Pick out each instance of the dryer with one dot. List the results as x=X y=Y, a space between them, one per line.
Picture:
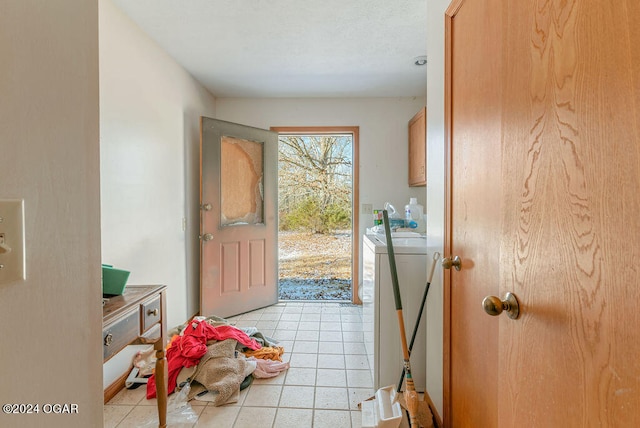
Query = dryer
x=380 y=320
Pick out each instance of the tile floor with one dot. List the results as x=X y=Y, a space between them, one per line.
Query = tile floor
x=328 y=377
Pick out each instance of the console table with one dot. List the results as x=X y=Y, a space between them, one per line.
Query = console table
x=138 y=316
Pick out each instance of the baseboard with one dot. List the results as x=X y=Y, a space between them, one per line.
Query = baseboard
x=115 y=387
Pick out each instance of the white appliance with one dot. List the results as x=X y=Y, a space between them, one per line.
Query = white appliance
x=380 y=320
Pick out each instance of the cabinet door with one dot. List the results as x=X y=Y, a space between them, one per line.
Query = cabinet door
x=417 y=149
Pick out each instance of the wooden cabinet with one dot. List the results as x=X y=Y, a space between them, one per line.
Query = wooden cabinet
x=418 y=149
x=138 y=316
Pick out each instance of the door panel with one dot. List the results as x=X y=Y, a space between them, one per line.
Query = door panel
x=568 y=79
x=570 y=222
x=238 y=185
x=474 y=213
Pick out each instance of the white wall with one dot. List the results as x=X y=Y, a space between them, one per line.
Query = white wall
x=383 y=139
x=435 y=192
x=149 y=145
x=49 y=156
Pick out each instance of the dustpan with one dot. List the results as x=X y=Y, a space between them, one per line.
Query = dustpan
x=383 y=411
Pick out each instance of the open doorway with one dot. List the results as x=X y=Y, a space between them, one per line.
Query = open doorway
x=317 y=196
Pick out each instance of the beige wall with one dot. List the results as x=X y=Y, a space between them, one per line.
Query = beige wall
x=50 y=324
x=149 y=145
x=435 y=192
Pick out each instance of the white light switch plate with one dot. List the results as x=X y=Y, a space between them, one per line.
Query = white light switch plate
x=12 y=253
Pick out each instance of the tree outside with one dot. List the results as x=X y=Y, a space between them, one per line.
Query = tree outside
x=314 y=203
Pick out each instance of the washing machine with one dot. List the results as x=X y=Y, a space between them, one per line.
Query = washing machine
x=380 y=320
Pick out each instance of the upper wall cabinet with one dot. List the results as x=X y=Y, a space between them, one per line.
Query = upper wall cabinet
x=418 y=149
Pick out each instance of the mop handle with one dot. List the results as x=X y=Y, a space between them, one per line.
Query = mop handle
x=411 y=396
x=392 y=262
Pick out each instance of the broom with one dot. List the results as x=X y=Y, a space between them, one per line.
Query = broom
x=410 y=394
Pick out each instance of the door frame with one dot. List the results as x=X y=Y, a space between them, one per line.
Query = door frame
x=450 y=13
x=355 y=202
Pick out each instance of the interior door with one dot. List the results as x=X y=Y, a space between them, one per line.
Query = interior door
x=474 y=212
x=238 y=222
x=568 y=79
x=570 y=236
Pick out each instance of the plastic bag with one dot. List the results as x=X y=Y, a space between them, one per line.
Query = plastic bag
x=179 y=411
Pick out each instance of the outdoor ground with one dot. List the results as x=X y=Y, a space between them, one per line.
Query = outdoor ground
x=314 y=266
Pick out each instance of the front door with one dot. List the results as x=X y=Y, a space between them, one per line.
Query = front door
x=239 y=225
x=567 y=91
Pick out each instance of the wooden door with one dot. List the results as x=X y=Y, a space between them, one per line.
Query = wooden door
x=474 y=212
x=568 y=223
x=239 y=224
x=571 y=204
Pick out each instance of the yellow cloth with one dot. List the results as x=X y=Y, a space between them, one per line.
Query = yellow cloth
x=266 y=353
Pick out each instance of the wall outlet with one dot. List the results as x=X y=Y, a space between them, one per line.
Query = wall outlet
x=367 y=209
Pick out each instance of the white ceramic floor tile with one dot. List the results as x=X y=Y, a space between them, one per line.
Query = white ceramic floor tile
x=287 y=325
x=331 y=419
x=287 y=418
x=270 y=316
x=328 y=317
x=309 y=325
x=330 y=326
x=297 y=397
x=252 y=416
x=351 y=326
x=266 y=325
x=113 y=415
x=331 y=336
x=331 y=377
x=330 y=348
x=359 y=379
x=331 y=398
x=359 y=362
x=304 y=360
x=310 y=316
x=352 y=336
x=263 y=396
x=356 y=419
x=301 y=376
x=290 y=317
x=305 y=347
x=307 y=335
x=354 y=348
x=284 y=334
x=140 y=416
x=330 y=361
x=223 y=416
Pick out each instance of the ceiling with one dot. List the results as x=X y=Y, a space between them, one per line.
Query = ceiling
x=292 y=48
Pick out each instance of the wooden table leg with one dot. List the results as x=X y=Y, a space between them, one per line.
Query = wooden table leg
x=161 y=383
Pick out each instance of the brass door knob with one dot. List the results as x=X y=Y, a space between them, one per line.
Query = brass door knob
x=206 y=237
x=448 y=262
x=494 y=306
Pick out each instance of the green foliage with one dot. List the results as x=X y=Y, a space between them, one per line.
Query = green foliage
x=308 y=215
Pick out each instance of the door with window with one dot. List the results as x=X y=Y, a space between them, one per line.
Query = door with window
x=238 y=220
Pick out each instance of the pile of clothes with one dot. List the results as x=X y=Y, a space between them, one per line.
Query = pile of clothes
x=217 y=360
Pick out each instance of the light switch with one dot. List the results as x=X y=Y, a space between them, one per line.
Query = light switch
x=12 y=251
